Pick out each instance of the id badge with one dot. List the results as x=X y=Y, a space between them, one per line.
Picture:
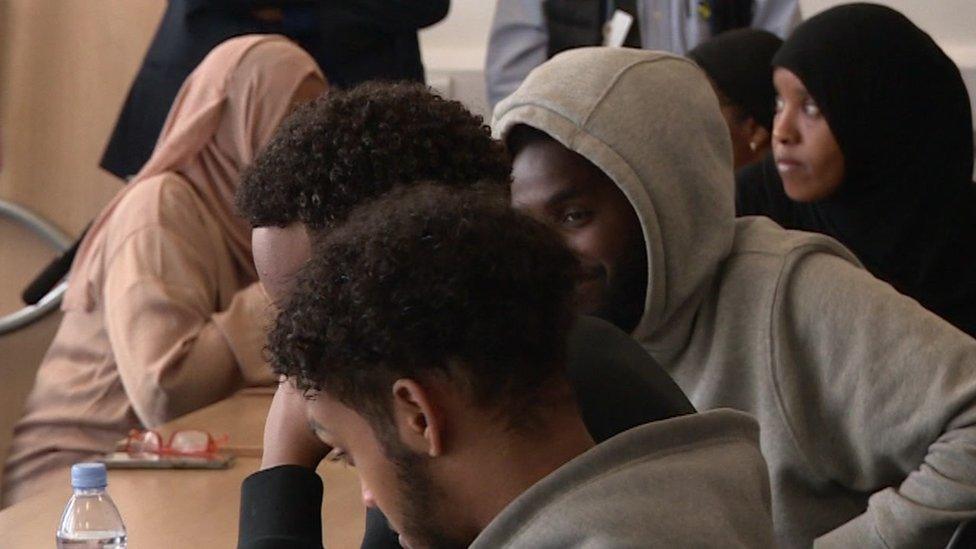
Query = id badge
x=616 y=29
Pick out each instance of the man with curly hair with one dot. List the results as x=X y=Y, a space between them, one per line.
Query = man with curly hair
x=351 y=146
x=346 y=149
x=429 y=333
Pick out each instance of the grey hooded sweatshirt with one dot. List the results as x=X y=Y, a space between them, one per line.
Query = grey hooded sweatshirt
x=866 y=401
x=693 y=481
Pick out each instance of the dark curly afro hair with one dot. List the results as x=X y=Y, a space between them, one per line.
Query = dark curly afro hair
x=349 y=146
x=430 y=280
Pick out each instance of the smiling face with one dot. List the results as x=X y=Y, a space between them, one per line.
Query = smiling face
x=567 y=192
x=808 y=158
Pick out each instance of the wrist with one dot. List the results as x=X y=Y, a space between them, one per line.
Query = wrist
x=270 y=459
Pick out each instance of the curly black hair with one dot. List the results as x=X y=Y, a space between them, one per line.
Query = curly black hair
x=349 y=146
x=430 y=280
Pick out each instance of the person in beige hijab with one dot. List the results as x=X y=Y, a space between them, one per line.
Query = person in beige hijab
x=163 y=313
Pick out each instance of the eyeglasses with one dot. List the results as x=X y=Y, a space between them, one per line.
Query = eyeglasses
x=181 y=443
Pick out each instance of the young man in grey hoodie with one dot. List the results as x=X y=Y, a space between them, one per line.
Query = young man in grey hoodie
x=294 y=198
x=430 y=332
x=866 y=401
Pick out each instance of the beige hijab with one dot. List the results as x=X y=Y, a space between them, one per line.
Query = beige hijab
x=225 y=112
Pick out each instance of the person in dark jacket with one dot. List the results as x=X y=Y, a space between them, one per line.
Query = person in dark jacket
x=873 y=145
x=352 y=41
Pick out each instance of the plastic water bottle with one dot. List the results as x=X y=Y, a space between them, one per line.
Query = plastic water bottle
x=90 y=520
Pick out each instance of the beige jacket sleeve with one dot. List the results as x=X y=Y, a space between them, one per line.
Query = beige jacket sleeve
x=880 y=395
x=174 y=350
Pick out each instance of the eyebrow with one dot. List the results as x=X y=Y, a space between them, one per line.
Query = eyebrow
x=564 y=195
x=802 y=91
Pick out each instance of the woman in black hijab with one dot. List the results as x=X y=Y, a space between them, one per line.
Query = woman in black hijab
x=738 y=65
x=873 y=145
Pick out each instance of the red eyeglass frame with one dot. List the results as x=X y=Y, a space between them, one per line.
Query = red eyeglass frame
x=213 y=443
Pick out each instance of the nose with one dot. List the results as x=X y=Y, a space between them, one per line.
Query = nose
x=581 y=244
x=784 y=127
x=368 y=499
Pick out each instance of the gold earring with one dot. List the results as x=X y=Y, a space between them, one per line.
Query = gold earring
x=753 y=145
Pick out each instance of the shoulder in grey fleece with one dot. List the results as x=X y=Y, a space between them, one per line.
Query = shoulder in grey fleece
x=692 y=481
x=866 y=401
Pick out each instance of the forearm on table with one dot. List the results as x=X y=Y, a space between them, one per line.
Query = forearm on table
x=172 y=360
x=244 y=325
x=900 y=395
x=928 y=506
x=195 y=372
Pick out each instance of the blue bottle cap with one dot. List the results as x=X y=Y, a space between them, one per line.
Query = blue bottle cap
x=88 y=475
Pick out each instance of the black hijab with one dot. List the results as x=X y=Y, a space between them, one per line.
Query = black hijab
x=738 y=61
x=900 y=112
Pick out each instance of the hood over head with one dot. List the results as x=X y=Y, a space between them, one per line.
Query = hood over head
x=651 y=122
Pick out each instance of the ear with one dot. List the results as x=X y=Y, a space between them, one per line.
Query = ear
x=419 y=417
x=757 y=134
